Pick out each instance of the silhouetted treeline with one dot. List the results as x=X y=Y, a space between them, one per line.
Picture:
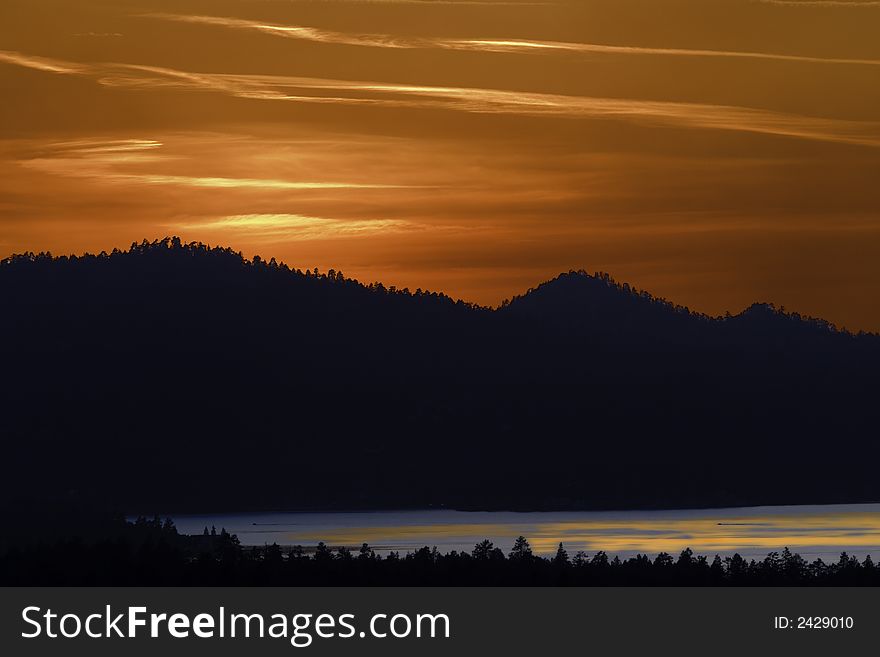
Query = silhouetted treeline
x=181 y=377
x=152 y=553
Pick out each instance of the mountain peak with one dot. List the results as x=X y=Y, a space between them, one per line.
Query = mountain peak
x=762 y=309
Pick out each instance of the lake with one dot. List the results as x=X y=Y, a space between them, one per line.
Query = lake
x=813 y=531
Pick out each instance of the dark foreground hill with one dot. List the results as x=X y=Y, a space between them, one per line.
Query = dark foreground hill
x=178 y=377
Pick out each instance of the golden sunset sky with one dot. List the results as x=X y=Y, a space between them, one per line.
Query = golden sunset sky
x=715 y=152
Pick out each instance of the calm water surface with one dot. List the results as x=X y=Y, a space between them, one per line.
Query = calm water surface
x=813 y=531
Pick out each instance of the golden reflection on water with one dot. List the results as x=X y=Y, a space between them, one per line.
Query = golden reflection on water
x=706 y=532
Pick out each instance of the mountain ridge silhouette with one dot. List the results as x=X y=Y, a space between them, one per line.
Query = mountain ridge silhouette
x=570 y=282
x=176 y=376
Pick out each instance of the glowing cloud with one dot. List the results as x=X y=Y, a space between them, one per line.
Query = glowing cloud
x=91 y=146
x=517 y=45
x=295 y=226
x=97 y=160
x=495 y=101
x=252 y=183
x=292 y=31
x=41 y=63
x=488 y=45
x=486 y=101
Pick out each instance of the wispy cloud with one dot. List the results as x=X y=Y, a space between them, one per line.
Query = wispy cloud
x=295 y=226
x=294 y=31
x=494 y=101
x=485 y=101
x=41 y=63
x=515 y=45
x=100 y=160
x=489 y=45
x=243 y=183
x=92 y=146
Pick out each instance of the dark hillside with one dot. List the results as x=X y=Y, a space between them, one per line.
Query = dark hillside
x=179 y=377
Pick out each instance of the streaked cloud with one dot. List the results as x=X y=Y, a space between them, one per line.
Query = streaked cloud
x=496 y=101
x=295 y=226
x=476 y=100
x=488 y=45
x=67 y=168
x=244 y=183
x=101 y=160
x=294 y=31
x=42 y=63
x=516 y=45
x=92 y=146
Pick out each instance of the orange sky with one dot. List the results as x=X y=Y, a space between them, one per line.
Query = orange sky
x=715 y=152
